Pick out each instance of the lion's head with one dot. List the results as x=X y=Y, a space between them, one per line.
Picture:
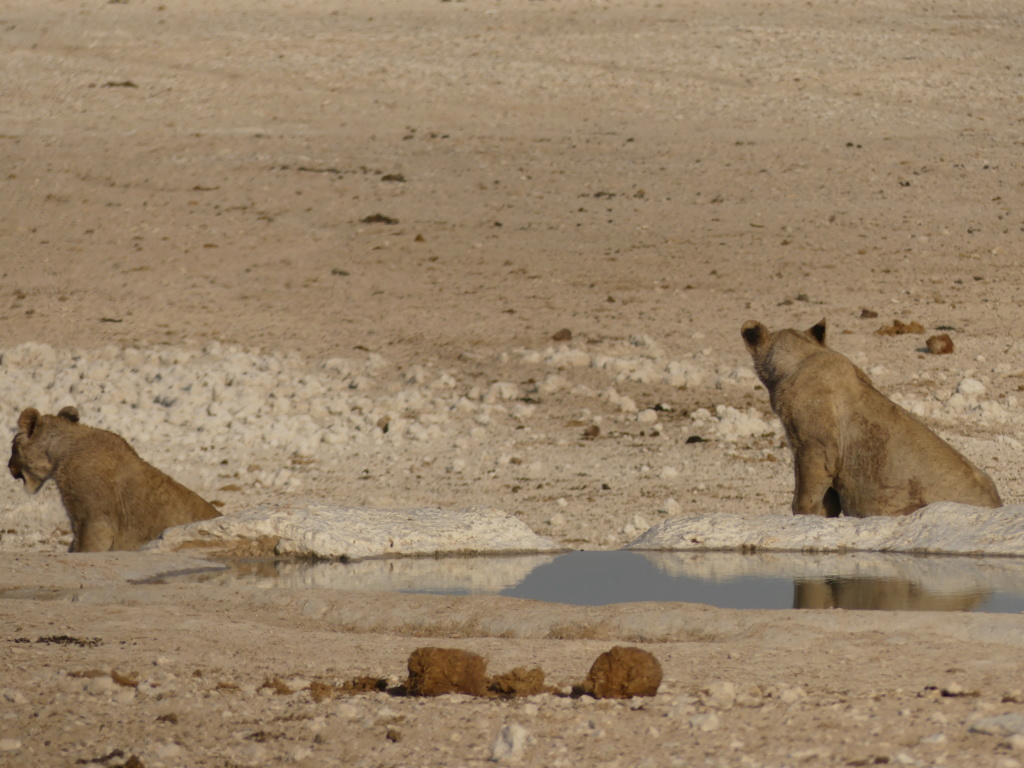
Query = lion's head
x=30 y=451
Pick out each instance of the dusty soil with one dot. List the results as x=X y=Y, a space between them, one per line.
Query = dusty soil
x=581 y=200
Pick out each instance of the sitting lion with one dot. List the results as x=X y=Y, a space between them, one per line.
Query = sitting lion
x=115 y=499
x=855 y=451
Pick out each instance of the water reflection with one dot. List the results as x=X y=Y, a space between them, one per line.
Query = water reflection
x=853 y=581
x=441 y=575
x=863 y=594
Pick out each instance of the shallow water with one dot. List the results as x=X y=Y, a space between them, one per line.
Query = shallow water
x=859 y=580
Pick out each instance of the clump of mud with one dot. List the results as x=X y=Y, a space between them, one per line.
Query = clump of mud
x=521 y=681
x=622 y=673
x=321 y=691
x=437 y=671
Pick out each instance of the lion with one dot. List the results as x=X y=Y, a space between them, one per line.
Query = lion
x=855 y=451
x=115 y=500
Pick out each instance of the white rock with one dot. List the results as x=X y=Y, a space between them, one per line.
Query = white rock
x=720 y=694
x=510 y=744
x=734 y=425
x=501 y=391
x=168 y=751
x=99 y=686
x=1000 y=725
x=13 y=695
x=791 y=695
x=971 y=388
x=705 y=722
x=346 y=711
x=10 y=745
x=565 y=357
x=321 y=530
x=944 y=527
x=301 y=753
x=124 y=696
x=1015 y=742
x=647 y=416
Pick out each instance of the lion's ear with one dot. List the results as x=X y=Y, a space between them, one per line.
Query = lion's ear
x=754 y=334
x=70 y=413
x=27 y=421
x=818 y=331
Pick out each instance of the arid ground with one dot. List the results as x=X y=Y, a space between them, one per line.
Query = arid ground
x=495 y=252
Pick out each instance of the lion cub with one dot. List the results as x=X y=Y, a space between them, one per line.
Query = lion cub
x=854 y=450
x=115 y=499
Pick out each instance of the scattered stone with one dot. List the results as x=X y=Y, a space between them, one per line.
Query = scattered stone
x=510 y=744
x=563 y=335
x=300 y=753
x=347 y=711
x=91 y=642
x=971 y=388
x=898 y=328
x=647 y=416
x=437 y=671
x=752 y=698
x=99 y=686
x=276 y=686
x=623 y=672
x=10 y=745
x=791 y=695
x=557 y=520
x=940 y=344
x=954 y=689
x=867 y=314
x=708 y=721
x=1014 y=741
x=1006 y=724
x=168 y=751
x=719 y=695
x=378 y=218
x=13 y=695
x=128 y=680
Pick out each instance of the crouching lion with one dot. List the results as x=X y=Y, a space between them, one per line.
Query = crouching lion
x=855 y=451
x=115 y=499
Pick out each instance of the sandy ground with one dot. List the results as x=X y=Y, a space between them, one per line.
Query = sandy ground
x=431 y=191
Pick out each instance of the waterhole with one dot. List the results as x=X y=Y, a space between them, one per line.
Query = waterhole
x=851 y=581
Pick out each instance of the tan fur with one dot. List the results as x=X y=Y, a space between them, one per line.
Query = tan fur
x=115 y=499
x=874 y=594
x=854 y=450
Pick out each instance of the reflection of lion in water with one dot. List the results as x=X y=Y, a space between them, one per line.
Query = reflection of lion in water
x=115 y=499
x=854 y=450
x=867 y=594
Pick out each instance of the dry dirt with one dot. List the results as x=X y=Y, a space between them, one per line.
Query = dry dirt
x=537 y=193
